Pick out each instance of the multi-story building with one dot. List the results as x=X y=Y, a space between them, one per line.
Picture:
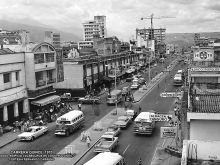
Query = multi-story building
x=14 y=37
x=53 y=38
x=91 y=72
x=97 y=27
x=13 y=94
x=107 y=46
x=101 y=20
x=43 y=69
x=203 y=115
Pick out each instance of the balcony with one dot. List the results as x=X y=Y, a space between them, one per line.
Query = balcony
x=52 y=80
x=40 y=83
x=40 y=92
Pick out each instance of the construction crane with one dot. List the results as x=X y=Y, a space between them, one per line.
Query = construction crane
x=151 y=17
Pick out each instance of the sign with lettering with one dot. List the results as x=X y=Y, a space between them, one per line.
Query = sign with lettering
x=204 y=55
x=168 y=132
x=204 y=69
x=171 y=94
x=160 y=117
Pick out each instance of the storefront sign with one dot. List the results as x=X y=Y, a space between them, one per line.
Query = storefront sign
x=168 y=132
x=160 y=117
x=204 y=69
x=204 y=55
x=171 y=94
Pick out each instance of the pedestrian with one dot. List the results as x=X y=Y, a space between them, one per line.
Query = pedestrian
x=80 y=106
x=139 y=109
x=139 y=161
x=88 y=141
x=82 y=136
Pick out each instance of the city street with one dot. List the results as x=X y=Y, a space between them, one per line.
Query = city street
x=133 y=147
x=142 y=147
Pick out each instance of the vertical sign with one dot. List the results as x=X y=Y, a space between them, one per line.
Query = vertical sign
x=59 y=59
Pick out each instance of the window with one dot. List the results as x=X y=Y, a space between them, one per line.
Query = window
x=6 y=77
x=17 y=75
x=39 y=58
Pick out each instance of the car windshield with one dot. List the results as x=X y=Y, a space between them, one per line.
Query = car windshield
x=30 y=130
x=64 y=122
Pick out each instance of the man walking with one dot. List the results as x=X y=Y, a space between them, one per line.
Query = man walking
x=88 y=141
x=139 y=109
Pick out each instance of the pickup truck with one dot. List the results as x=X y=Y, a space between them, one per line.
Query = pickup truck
x=106 y=143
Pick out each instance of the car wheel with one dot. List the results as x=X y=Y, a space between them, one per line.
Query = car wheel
x=67 y=133
x=32 y=138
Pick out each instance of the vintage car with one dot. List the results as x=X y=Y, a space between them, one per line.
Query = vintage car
x=112 y=130
x=125 y=91
x=32 y=133
x=131 y=113
x=123 y=121
x=88 y=99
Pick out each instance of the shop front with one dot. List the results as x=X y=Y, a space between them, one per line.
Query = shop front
x=45 y=106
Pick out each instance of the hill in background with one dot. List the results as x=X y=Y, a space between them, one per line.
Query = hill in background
x=37 y=32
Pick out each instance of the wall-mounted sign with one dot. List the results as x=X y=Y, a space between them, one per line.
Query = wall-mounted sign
x=204 y=55
x=204 y=69
x=160 y=117
x=12 y=97
x=168 y=132
x=171 y=94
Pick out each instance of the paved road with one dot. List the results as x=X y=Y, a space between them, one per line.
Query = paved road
x=51 y=142
x=133 y=147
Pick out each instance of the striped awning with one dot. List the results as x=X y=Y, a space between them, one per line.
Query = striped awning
x=46 y=100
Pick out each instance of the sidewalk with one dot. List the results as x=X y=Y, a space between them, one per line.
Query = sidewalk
x=8 y=138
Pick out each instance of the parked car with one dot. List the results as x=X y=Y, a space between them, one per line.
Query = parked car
x=123 y=121
x=89 y=99
x=125 y=90
x=112 y=130
x=33 y=132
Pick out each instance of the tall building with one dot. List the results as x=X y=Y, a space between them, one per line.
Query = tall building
x=52 y=38
x=96 y=27
x=101 y=20
x=152 y=34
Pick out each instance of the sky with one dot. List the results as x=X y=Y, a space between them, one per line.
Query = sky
x=122 y=16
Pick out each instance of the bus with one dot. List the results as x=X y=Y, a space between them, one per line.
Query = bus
x=69 y=122
x=107 y=158
x=143 y=124
x=114 y=97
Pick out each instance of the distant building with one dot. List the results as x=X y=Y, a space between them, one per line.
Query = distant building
x=53 y=38
x=96 y=27
x=200 y=41
x=107 y=46
x=14 y=37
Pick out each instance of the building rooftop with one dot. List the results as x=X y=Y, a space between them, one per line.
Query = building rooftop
x=204 y=103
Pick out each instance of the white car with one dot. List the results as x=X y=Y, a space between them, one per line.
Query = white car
x=134 y=86
x=112 y=130
x=33 y=132
x=123 y=121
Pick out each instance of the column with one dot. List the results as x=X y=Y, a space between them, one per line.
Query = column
x=26 y=107
x=5 y=114
x=13 y=79
x=1 y=82
x=16 y=110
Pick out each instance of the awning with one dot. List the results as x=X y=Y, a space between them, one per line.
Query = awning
x=46 y=100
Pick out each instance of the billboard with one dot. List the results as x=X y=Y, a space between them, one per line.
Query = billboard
x=160 y=117
x=205 y=69
x=168 y=132
x=171 y=94
x=203 y=55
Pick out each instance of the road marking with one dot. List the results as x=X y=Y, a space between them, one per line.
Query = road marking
x=126 y=149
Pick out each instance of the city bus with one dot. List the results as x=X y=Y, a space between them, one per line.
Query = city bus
x=114 y=97
x=143 y=124
x=106 y=158
x=69 y=122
